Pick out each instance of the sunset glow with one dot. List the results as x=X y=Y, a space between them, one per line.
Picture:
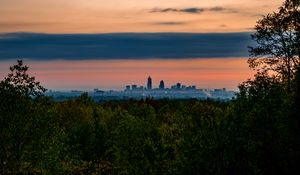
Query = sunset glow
x=101 y=16
x=86 y=75
x=103 y=44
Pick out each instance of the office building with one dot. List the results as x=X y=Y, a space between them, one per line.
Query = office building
x=134 y=87
x=161 y=84
x=149 y=83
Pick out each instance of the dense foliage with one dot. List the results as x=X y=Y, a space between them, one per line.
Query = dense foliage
x=277 y=40
x=257 y=133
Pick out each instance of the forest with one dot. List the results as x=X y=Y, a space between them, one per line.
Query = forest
x=258 y=132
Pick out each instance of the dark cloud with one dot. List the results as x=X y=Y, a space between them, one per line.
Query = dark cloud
x=222 y=9
x=193 y=10
x=184 y=10
x=123 y=46
x=170 y=23
x=155 y=10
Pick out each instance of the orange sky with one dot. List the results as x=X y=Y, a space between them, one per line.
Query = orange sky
x=86 y=75
x=108 y=16
x=103 y=16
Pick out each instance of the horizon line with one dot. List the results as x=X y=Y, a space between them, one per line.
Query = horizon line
x=105 y=33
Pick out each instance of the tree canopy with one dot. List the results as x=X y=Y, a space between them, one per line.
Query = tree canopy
x=20 y=80
x=258 y=132
x=278 y=42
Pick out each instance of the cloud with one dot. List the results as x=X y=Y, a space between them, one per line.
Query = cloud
x=217 y=9
x=193 y=10
x=184 y=10
x=170 y=23
x=123 y=46
x=155 y=10
x=222 y=9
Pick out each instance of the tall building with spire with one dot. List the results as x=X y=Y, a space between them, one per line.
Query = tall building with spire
x=149 y=83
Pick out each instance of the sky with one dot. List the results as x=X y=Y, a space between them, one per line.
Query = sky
x=107 y=16
x=108 y=44
x=116 y=74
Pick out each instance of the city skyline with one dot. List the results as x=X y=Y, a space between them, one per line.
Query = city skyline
x=88 y=44
x=87 y=75
x=161 y=86
x=149 y=87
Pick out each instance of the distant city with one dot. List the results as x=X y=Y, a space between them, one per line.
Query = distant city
x=134 y=91
x=177 y=86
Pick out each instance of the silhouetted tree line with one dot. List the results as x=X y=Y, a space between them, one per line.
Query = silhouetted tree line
x=256 y=133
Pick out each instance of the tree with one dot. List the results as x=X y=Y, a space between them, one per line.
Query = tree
x=277 y=37
x=19 y=119
x=21 y=81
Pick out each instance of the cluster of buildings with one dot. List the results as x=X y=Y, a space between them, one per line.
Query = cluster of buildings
x=177 y=91
x=149 y=87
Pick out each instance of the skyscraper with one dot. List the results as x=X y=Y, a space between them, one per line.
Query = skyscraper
x=149 y=83
x=162 y=85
